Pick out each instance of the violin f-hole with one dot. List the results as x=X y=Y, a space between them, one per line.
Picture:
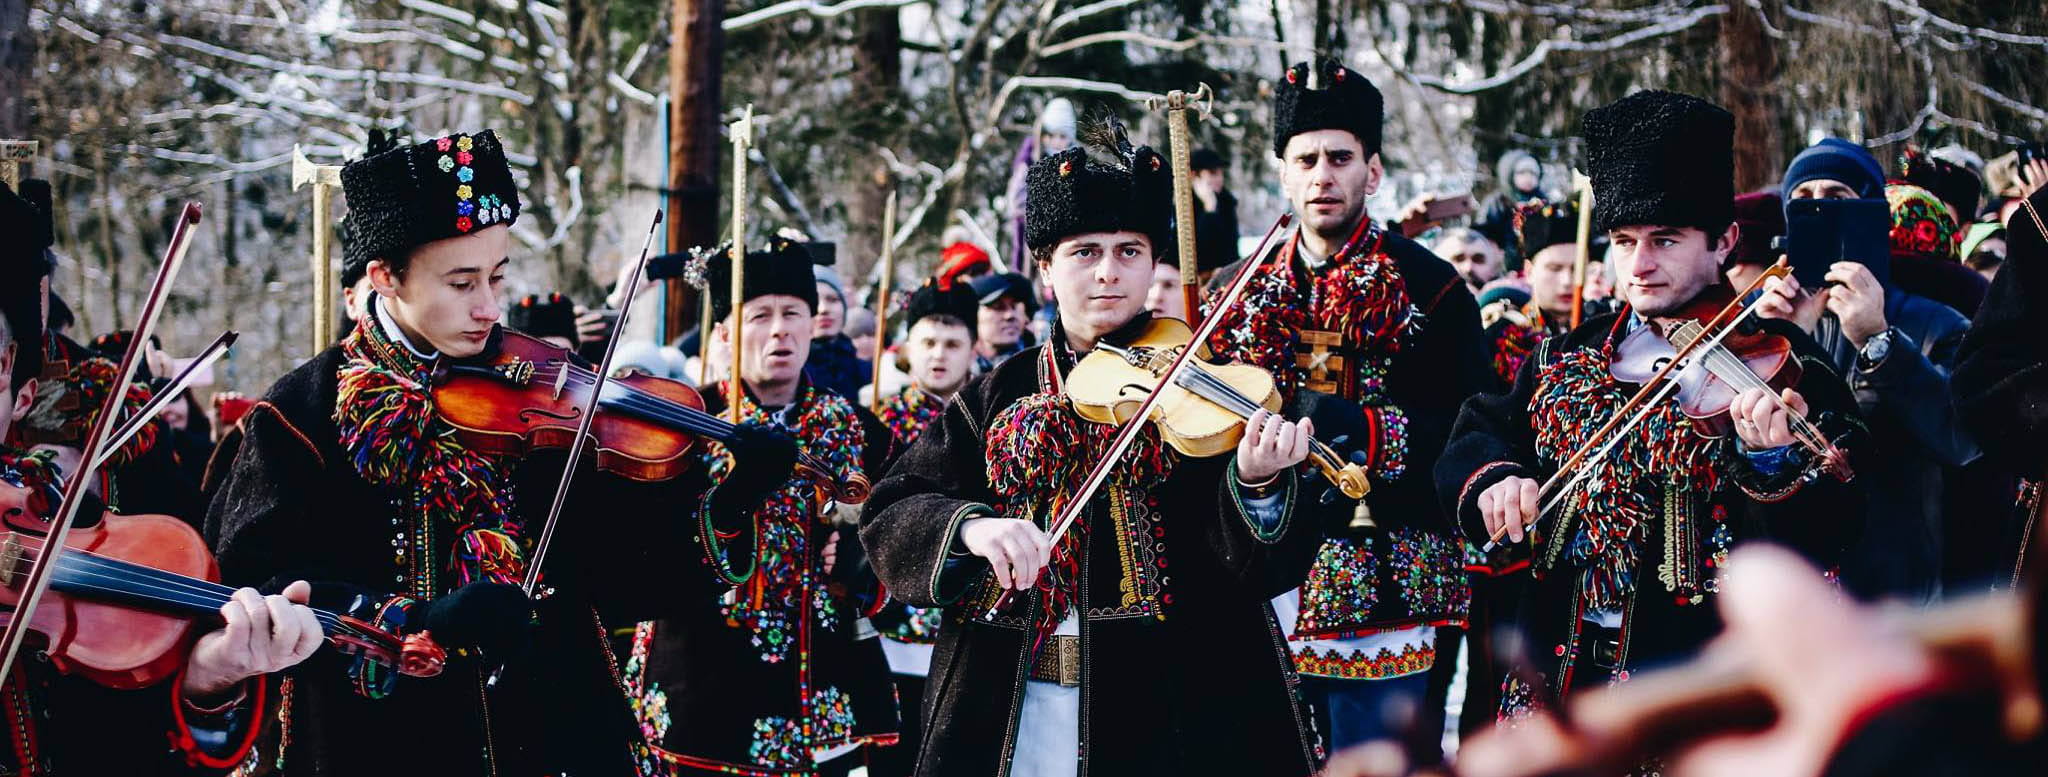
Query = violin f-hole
x=526 y=414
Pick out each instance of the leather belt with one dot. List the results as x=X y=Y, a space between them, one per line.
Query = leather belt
x=1059 y=661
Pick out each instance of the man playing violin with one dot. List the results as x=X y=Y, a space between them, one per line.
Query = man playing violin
x=1141 y=641
x=1625 y=563
x=940 y=322
x=778 y=671
x=1352 y=309
x=203 y=720
x=347 y=475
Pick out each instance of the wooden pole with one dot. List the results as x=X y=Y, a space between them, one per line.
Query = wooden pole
x=323 y=178
x=742 y=132
x=1585 y=187
x=1178 y=103
x=882 y=300
x=695 y=70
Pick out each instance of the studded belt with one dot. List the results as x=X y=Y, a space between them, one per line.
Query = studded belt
x=1059 y=661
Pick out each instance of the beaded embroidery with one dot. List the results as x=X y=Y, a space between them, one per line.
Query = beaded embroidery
x=1382 y=665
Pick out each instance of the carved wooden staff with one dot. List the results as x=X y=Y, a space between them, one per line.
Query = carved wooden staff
x=882 y=301
x=742 y=136
x=1178 y=104
x=324 y=179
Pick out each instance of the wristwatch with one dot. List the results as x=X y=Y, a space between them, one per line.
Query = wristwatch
x=1874 y=350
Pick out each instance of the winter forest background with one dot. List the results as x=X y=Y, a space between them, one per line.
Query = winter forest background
x=143 y=105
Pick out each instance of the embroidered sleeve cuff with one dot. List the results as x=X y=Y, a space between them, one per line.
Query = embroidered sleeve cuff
x=220 y=737
x=1387 y=433
x=956 y=570
x=1267 y=514
x=1468 y=495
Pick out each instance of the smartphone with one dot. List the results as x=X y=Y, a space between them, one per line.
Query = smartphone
x=1819 y=233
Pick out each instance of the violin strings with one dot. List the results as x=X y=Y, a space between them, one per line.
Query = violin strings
x=146 y=582
x=655 y=408
x=1738 y=374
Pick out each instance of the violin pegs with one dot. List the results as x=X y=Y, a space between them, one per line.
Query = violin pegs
x=1330 y=496
x=1359 y=458
x=1340 y=441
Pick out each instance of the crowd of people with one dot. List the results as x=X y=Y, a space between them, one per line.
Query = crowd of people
x=1605 y=490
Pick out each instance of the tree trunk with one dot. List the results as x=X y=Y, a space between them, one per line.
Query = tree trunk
x=877 y=106
x=695 y=68
x=1749 y=75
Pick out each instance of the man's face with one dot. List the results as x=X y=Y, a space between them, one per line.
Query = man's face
x=355 y=297
x=1099 y=280
x=939 y=355
x=775 y=339
x=1550 y=278
x=1823 y=189
x=1661 y=269
x=1164 y=296
x=1478 y=261
x=831 y=311
x=448 y=295
x=1328 y=177
x=1211 y=180
x=175 y=414
x=1001 y=323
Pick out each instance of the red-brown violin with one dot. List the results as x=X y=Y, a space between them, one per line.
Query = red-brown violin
x=531 y=394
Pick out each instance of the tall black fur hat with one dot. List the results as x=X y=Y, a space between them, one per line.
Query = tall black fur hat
x=1539 y=225
x=1661 y=158
x=400 y=197
x=784 y=268
x=1103 y=184
x=956 y=300
x=24 y=261
x=1336 y=97
x=543 y=315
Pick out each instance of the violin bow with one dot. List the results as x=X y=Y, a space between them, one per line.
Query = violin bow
x=1655 y=390
x=1132 y=428
x=588 y=416
x=177 y=386
x=38 y=579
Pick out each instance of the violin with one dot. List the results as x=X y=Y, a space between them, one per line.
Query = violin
x=1202 y=413
x=1705 y=360
x=531 y=395
x=125 y=596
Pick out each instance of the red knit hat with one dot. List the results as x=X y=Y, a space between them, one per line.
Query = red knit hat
x=960 y=259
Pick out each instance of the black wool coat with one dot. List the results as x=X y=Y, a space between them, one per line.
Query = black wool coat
x=1184 y=671
x=1494 y=439
x=287 y=504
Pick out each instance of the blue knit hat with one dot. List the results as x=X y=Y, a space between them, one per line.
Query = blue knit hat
x=1836 y=159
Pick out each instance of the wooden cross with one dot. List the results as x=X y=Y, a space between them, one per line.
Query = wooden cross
x=1321 y=365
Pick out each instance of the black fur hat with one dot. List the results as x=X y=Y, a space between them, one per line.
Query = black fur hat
x=543 y=315
x=402 y=197
x=785 y=268
x=1103 y=185
x=24 y=260
x=1661 y=158
x=1539 y=225
x=956 y=300
x=1336 y=98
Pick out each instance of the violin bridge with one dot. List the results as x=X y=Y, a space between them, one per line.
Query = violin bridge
x=518 y=372
x=11 y=556
x=561 y=379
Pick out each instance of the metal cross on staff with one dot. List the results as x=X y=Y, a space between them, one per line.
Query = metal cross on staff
x=324 y=178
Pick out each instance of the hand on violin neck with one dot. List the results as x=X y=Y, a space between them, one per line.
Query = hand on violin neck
x=261 y=634
x=1763 y=421
x=1784 y=299
x=1015 y=548
x=763 y=457
x=1271 y=445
